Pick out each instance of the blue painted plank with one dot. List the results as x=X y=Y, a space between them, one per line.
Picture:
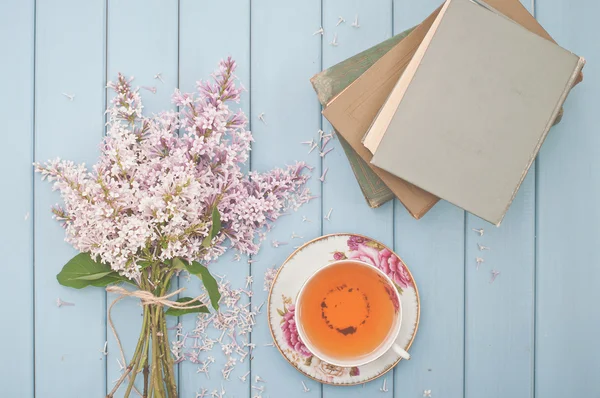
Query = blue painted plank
x=499 y=318
x=16 y=111
x=433 y=249
x=70 y=49
x=285 y=54
x=154 y=24
x=340 y=191
x=568 y=188
x=201 y=47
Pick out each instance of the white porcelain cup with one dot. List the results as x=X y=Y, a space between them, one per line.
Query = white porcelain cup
x=388 y=344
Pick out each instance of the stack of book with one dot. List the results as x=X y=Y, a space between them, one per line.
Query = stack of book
x=455 y=108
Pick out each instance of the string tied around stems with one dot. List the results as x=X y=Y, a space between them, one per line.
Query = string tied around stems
x=146 y=298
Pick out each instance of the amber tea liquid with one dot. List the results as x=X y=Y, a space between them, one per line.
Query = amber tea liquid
x=347 y=310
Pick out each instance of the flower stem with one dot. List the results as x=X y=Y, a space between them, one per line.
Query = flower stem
x=169 y=364
x=156 y=362
x=137 y=356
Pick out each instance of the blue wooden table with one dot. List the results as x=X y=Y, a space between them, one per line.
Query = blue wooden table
x=532 y=333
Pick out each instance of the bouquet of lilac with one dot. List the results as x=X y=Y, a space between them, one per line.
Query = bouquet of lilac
x=167 y=194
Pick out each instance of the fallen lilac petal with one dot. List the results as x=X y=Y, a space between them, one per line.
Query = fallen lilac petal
x=323 y=154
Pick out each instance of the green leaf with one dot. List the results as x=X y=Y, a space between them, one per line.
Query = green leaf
x=178 y=263
x=183 y=311
x=215 y=228
x=308 y=361
x=210 y=283
x=93 y=277
x=144 y=264
x=280 y=312
x=82 y=271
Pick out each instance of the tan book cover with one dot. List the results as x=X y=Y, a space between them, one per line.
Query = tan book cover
x=497 y=89
x=329 y=83
x=352 y=111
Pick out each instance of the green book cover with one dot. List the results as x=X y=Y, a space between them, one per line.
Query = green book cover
x=330 y=83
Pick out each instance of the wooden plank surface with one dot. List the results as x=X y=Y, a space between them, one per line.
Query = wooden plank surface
x=16 y=111
x=340 y=190
x=70 y=58
x=198 y=58
x=567 y=322
x=531 y=333
x=433 y=249
x=284 y=56
x=499 y=314
x=156 y=52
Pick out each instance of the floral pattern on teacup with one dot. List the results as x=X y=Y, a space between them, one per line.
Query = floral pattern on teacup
x=303 y=355
x=304 y=262
x=358 y=248
x=381 y=257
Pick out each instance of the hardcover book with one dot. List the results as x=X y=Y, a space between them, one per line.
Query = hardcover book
x=330 y=83
x=352 y=111
x=497 y=89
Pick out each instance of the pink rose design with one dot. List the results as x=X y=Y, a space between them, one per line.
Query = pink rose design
x=337 y=256
x=394 y=268
x=354 y=240
x=290 y=332
x=365 y=254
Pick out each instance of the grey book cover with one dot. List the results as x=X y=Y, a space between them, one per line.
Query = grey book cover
x=468 y=116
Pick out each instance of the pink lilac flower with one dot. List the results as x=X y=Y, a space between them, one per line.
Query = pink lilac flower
x=152 y=192
x=290 y=332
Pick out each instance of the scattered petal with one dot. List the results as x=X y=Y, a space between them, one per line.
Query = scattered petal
x=478 y=260
x=323 y=154
x=71 y=97
x=494 y=275
x=479 y=231
x=334 y=41
x=261 y=117
x=60 y=303
x=306 y=389
x=322 y=178
x=384 y=387
x=152 y=89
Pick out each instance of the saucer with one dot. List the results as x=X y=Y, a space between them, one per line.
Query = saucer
x=299 y=266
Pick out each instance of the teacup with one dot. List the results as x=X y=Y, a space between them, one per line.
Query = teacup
x=348 y=313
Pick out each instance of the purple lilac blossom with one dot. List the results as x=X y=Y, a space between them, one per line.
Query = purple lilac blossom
x=150 y=195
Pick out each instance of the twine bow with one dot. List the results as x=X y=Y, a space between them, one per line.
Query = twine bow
x=147 y=298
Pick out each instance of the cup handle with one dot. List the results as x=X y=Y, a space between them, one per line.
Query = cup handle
x=400 y=351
